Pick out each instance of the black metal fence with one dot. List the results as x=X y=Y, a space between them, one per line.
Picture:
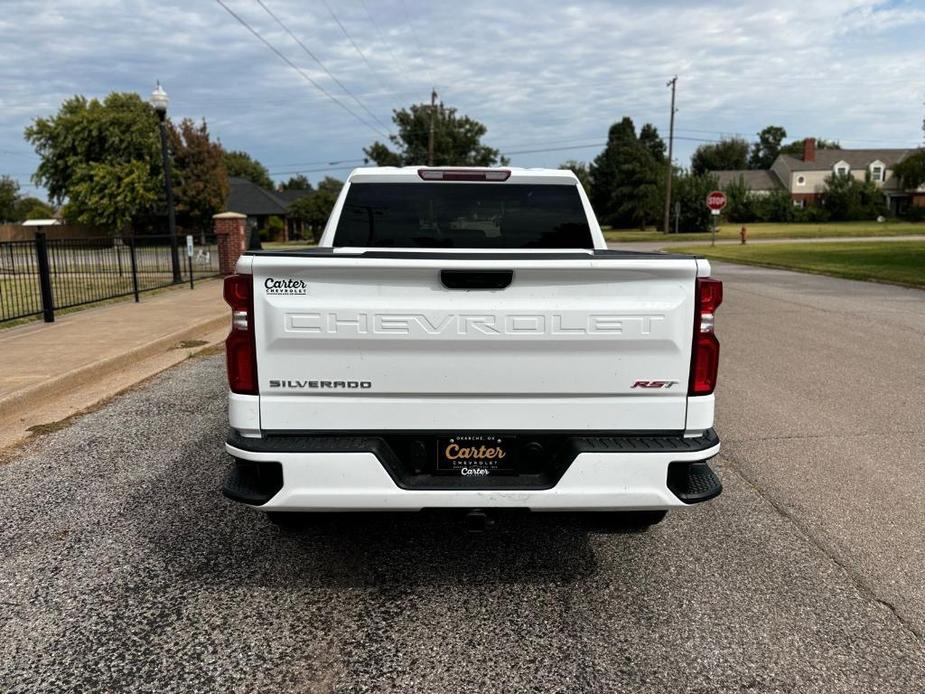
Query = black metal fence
x=41 y=276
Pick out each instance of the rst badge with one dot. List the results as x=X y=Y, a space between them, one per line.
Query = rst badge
x=654 y=384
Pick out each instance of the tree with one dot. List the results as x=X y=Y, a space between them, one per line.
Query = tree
x=580 y=169
x=911 y=170
x=103 y=156
x=640 y=194
x=726 y=155
x=690 y=191
x=741 y=202
x=606 y=172
x=241 y=165
x=626 y=177
x=9 y=196
x=332 y=185
x=650 y=139
x=457 y=139
x=32 y=208
x=314 y=208
x=776 y=206
x=111 y=195
x=846 y=198
x=298 y=182
x=765 y=151
x=201 y=183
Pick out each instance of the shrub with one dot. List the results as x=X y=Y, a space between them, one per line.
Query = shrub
x=846 y=198
x=741 y=202
x=775 y=207
x=814 y=214
x=275 y=227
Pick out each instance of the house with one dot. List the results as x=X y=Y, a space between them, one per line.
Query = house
x=259 y=204
x=804 y=176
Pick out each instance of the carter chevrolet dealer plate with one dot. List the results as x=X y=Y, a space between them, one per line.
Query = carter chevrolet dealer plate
x=475 y=456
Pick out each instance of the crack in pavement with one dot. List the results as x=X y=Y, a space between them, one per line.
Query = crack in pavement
x=734 y=465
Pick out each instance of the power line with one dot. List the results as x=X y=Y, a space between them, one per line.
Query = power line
x=380 y=34
x=417 y=41
x=350 y=38
x=298 y=69
x=305 y=171
x=318 y=163
x=542 y=150
x=320 y=64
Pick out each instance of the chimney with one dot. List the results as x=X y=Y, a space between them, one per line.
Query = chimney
x=809 y=149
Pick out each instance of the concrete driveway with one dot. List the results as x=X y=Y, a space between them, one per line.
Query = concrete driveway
x=123 y=569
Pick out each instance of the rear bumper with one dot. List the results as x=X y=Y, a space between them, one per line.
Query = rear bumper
x=353 y=474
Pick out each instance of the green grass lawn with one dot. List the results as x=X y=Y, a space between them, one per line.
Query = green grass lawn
x=774 y=231
x=21 y=294
x=894 y=262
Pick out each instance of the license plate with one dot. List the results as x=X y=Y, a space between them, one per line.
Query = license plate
x=476 y=456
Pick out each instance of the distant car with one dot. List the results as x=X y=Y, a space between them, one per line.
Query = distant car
x=463 y=338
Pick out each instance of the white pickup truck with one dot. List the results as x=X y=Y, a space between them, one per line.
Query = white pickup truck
x=463 y=338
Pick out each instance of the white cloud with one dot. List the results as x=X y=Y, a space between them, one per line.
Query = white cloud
x=536 y=71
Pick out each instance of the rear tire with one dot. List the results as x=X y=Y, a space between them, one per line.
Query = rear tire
x=616 y=521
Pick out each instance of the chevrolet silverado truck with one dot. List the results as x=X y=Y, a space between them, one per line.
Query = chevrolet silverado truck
x=463 y=338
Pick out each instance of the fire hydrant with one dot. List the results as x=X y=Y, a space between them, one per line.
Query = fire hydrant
x=743 y=234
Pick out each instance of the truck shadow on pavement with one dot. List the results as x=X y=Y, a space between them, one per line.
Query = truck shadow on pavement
x=225 y=542
x=389 y=549
x=432 y=548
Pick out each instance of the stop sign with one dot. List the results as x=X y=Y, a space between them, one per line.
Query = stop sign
x=716 y=200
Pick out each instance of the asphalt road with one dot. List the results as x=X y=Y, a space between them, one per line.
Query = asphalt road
x=123 y=569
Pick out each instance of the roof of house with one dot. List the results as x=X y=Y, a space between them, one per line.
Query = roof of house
x=755 y=179
x=248 y=198
x=826 y=159
x=290 y=196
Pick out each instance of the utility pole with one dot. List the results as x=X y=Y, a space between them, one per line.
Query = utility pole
x=665 y=227
x=430 y=139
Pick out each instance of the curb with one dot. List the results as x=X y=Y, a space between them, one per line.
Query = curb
x=27 y=397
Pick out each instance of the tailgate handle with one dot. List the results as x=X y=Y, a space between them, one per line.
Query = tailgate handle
x=476 y=279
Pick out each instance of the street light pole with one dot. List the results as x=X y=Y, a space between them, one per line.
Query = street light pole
x=159 y=101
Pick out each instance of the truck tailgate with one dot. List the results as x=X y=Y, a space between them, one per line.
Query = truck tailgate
x=377 y=342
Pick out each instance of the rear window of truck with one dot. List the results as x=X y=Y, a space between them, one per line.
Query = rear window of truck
x=463 y=215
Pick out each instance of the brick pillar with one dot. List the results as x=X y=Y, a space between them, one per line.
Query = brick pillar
x=229 y=231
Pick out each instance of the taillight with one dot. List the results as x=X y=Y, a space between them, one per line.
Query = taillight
x=705 y=350
x=240 y=351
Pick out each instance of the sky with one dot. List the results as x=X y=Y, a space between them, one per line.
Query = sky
x=540 y=74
